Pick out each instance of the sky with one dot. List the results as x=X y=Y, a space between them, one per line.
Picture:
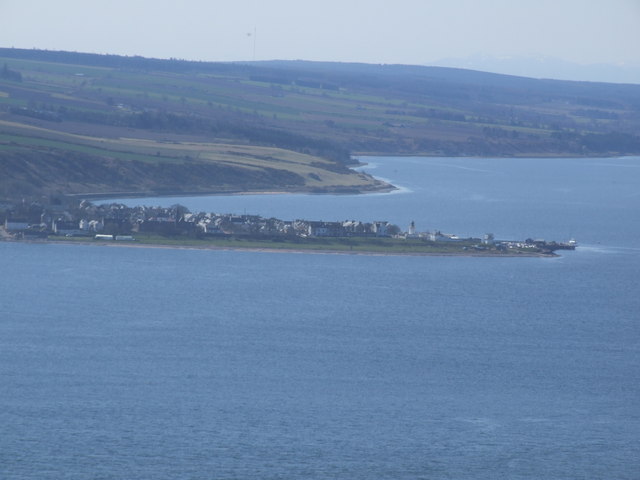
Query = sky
x=418 y=32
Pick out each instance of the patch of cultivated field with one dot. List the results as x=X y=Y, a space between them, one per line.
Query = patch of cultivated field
x=316 y=171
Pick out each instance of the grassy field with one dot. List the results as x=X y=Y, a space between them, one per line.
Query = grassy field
x=382 y=246
x=154 y=151
x=147 y=165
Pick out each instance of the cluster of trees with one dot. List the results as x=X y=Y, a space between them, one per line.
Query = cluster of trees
x=610 y=142
x=7 y=74
x=118 y=61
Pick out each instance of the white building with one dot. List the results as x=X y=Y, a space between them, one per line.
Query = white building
x=488 y=239
x=380 y=229
x=15 y=225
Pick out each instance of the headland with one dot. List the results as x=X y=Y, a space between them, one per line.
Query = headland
x=176 y=227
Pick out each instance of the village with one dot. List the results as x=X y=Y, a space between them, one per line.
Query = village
x=120 y=223
x=87 y=219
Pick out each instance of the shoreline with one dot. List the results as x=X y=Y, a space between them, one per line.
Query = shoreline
x=386 y=188
x=533 y=156
x=383 y=186
x=311 y=251
x=379 y=186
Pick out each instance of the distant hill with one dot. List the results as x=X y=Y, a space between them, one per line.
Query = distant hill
x=541 y=66
x=55 y=102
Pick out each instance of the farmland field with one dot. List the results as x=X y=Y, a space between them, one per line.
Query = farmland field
x=150 y=126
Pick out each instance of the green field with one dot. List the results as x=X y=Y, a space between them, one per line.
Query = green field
x=387 y=246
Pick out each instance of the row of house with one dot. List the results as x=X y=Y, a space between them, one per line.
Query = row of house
x=350 y=228
x=88 y=219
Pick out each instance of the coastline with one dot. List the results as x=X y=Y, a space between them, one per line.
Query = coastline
x=383 y=188
x=381 y=185
x=311 y=251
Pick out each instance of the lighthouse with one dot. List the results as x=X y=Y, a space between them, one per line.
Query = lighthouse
x=412 y=229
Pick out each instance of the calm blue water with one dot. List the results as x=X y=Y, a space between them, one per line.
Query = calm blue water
x=512 y=198
x=157 y=363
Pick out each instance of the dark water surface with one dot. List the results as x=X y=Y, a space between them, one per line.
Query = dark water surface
x=162 y=364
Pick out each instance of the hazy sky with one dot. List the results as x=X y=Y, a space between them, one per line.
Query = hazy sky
x=372 y=31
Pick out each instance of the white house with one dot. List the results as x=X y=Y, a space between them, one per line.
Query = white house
x=15 y=225
x=380 y=229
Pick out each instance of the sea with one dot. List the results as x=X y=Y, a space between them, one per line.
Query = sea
x=158 y=363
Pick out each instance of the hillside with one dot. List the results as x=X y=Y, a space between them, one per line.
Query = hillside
x=85 y=123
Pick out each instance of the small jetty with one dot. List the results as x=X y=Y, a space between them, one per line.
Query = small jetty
x=554 y=246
